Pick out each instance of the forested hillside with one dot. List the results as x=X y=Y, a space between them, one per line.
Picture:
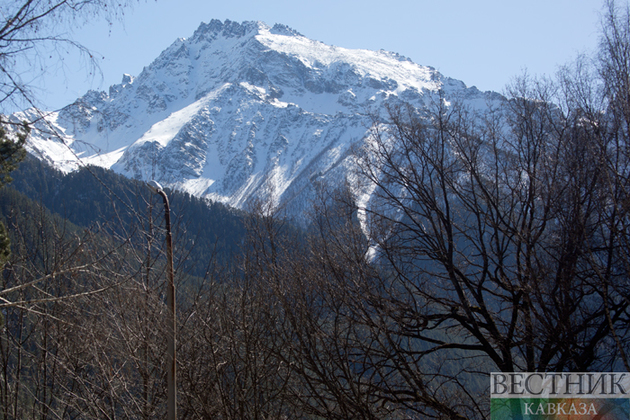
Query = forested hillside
x=95 y=196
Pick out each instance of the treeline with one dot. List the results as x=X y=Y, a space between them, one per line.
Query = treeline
x=492 y=242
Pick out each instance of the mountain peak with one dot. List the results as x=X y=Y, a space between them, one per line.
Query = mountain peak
x=230 y=29
x=241 y=112
x=227 y=29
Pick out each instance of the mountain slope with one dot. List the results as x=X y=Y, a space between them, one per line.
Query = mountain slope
x=240 y=112
x=123 y=208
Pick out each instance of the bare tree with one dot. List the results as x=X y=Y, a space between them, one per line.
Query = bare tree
x=53 y=270
x=494 y=241
x=232 y=366
x=614 y=70
x=36 y=33
x=84 y=327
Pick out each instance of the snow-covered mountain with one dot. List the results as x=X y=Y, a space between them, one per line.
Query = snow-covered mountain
x=240 y=112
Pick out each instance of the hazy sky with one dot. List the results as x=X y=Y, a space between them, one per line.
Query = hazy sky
x=484 y=43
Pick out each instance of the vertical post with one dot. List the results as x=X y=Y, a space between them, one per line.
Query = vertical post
x=170 y=303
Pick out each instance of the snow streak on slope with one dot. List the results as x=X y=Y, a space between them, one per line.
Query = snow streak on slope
x=240 y=112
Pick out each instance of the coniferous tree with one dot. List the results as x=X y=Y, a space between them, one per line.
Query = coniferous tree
x=11 y=154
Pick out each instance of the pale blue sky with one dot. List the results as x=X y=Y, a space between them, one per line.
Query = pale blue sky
x=484 y=43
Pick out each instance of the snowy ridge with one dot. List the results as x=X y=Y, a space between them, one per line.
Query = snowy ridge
x=240 y=112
